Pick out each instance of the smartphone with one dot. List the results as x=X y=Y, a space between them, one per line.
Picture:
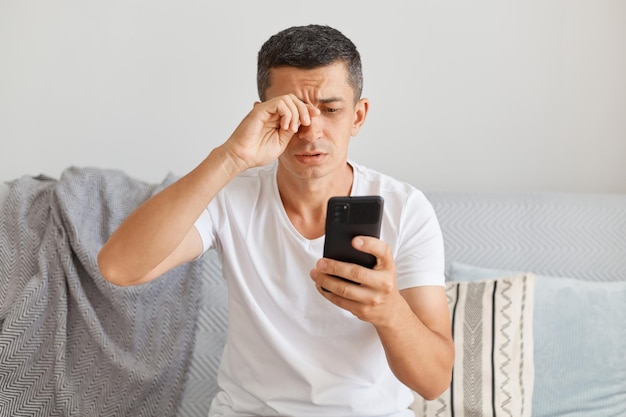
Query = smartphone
x=347 y=217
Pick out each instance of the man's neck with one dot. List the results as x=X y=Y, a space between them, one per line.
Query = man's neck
x=305 y=200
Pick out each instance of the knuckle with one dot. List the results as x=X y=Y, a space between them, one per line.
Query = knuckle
x=386 y=286
x=358 y=273
x=365 y=312
x=376 y=301
x=344 y=290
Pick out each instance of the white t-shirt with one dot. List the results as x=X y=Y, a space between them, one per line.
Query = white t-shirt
x=289 y=351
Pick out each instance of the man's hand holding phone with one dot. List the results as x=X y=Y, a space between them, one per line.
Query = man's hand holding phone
x=376 y=296
x=357 y=272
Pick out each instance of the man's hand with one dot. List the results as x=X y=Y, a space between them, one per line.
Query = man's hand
x=413 y=324
x=266 y=131
x=145 y=246
x=376 y=298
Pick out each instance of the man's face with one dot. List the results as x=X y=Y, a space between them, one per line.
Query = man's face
x=320 y=149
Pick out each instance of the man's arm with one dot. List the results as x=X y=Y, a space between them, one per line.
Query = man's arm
x=159 y=234
x=418 y=344
x=413 y=324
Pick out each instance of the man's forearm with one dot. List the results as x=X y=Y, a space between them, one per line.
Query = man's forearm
x=420 y=357
x=137 y=250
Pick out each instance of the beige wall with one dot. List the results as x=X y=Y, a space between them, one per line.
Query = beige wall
x=486 y=96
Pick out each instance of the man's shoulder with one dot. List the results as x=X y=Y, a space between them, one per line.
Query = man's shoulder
x=370 y=180
x=248 y=188
x=258 y=173
x=253 y=178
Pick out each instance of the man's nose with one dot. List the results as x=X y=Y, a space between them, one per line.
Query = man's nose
x=311 y=132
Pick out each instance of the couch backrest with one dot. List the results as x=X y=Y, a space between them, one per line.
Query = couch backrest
x=575 y=235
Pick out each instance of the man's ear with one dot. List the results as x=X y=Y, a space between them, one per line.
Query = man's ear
x=360 y=113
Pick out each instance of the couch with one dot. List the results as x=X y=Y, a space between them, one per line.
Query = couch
x=575 y=247
x=536 y=285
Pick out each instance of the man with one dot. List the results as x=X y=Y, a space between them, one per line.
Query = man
x=260 y=200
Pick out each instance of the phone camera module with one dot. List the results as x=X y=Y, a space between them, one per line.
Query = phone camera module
x=341 y=213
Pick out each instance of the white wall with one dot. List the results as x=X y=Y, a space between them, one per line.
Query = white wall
x=481 y=95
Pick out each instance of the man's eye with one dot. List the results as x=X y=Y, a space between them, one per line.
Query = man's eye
x=331 y=110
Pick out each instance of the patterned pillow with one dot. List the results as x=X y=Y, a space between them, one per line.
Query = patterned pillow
x=492 y=326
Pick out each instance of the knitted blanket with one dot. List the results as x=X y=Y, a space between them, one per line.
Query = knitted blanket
x=72 y=344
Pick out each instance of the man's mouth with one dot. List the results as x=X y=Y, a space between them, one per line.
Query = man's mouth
x=310 y=157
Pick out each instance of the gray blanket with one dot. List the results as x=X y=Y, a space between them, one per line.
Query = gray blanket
x=71 y=344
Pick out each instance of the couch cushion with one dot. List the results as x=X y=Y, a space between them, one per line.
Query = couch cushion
x=580 y=344
x=492 y=329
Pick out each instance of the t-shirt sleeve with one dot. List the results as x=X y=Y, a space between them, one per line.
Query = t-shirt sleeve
x=420 y=255
x=204 y=227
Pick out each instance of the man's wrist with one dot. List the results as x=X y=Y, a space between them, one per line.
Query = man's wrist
x=230 y=163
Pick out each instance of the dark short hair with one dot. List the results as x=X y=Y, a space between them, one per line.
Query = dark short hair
x=308 y=47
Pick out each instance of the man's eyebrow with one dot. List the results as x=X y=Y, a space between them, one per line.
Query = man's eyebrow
x=330 y=100
x=325 y=100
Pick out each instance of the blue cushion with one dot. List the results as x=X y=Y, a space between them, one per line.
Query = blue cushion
x=580 y=343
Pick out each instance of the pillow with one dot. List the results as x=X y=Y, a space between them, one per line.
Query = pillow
x=493 y=337
x=580 y=344
x=464 y=272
